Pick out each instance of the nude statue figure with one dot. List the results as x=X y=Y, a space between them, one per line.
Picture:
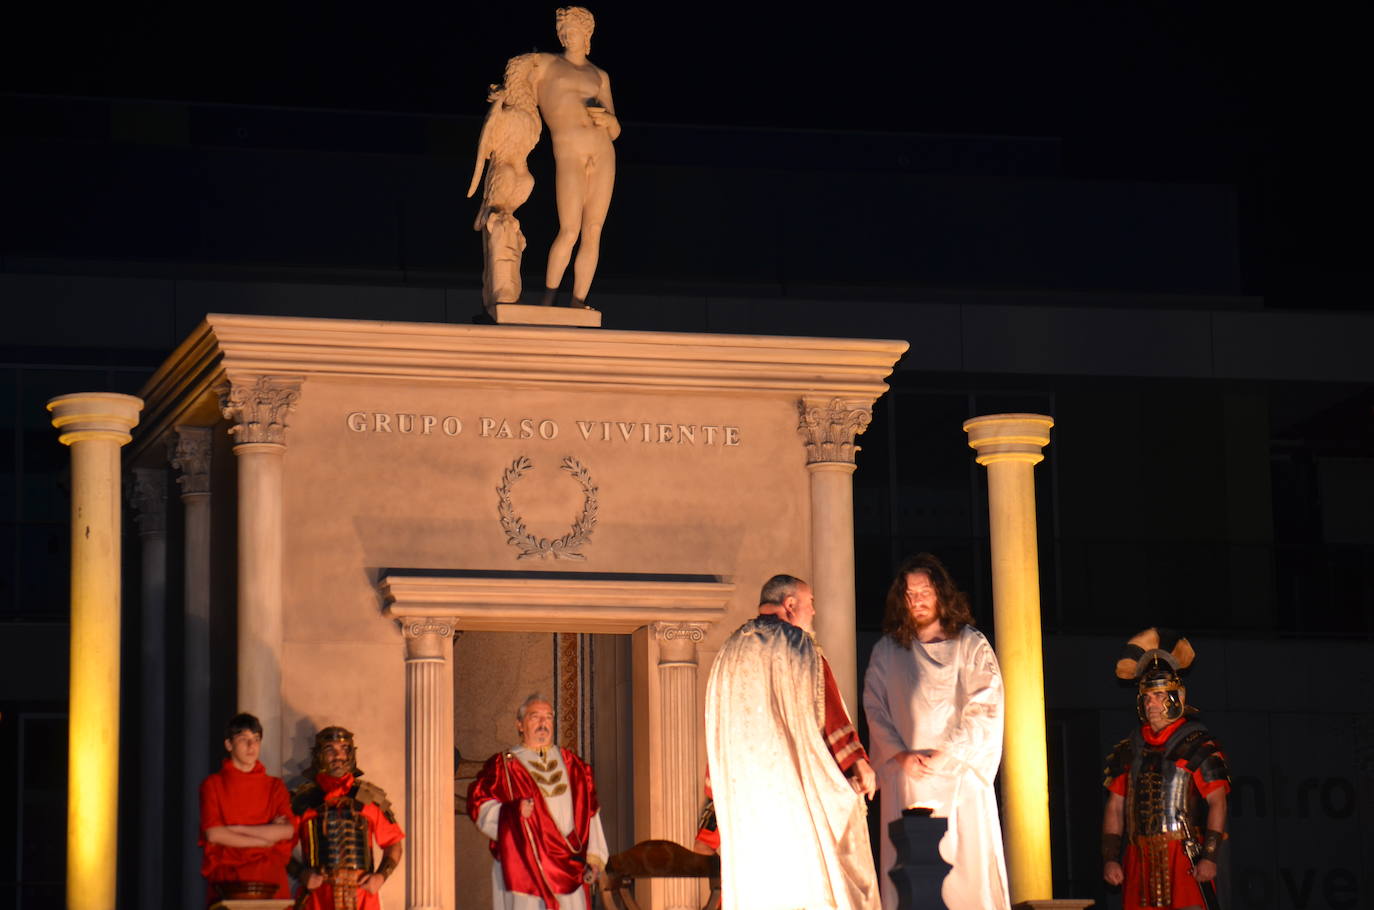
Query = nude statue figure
x=574 y=96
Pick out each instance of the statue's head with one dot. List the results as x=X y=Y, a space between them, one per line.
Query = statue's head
x=334 y=753
x=575 y=25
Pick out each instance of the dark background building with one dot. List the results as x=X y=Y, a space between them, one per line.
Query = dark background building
x=1144 y=219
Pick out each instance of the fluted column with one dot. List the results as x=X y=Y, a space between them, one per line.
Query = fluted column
x=429 y=763
x=258 y=406
x=677 y=732
x=148 y=499
x=829 y=426
x=189 y=453
x=1009 y=445
x=95 y=425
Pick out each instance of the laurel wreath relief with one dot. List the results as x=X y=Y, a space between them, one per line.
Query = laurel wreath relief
x=532 y=547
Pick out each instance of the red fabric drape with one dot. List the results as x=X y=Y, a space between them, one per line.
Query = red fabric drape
x=535 y=857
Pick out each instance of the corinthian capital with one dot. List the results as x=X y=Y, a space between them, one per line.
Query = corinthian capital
x=829 y=427
x=189 y=453
x=258 y=407
x=147 y=494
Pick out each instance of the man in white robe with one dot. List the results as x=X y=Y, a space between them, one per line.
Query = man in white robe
x=933 y=694
x=537 y=802
x=793 y=828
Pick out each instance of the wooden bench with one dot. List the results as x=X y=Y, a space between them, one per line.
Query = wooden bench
x=657 y=859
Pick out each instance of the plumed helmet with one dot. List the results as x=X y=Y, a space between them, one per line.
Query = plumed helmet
x=1153 y=658
x=334 y=735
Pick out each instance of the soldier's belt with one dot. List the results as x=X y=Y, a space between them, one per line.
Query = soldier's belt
x=1156 y=879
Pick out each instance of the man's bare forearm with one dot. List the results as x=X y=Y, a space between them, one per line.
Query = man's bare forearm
x=227 y=836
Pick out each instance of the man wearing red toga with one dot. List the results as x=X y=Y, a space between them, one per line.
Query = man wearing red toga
x=246 y=825
x=537 y=802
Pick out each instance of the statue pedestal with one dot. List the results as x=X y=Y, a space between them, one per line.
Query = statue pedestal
x=919 y=871
x=525 y=314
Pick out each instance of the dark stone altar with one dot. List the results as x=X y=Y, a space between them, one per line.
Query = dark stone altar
x=919 y=871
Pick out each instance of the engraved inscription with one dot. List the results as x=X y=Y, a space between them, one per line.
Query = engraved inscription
x=609 y=432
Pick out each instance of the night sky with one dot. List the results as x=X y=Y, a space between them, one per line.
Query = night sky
x=1165 y=90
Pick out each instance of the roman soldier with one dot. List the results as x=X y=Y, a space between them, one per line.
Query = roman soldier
x=341 y=818
x=1167 y=784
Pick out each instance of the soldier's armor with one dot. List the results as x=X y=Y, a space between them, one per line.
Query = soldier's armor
x=337 y=839
x=1162 y=804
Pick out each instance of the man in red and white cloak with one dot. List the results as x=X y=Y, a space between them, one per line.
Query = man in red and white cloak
x=793 y=827
x=537 y=803
x=789 y=599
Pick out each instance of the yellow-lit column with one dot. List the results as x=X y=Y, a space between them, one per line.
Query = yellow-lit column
x=1009 y=446
x=95 y=425
x=258 y=406
x=828 y=426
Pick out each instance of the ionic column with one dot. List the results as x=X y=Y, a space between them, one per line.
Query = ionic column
x=148 y=498
x=829 y=427
x=677 y=733
x=258 y=407
x=189 y=453
x=429 y=763
x=1009 y=446
x=95 y=425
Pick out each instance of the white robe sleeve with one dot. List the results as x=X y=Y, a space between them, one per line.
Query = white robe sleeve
x=974 y=738
x=885 y=741
x=489 y=818
x=597 y=852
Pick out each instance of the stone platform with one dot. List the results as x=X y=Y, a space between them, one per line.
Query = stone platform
x=527 y=314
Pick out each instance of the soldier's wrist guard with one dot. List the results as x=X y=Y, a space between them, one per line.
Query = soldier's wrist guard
x=1211 y=844
x=387 y=867
x=1111 y=848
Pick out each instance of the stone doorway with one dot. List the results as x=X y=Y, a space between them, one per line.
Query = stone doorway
x=588 y=677
x=588 y=620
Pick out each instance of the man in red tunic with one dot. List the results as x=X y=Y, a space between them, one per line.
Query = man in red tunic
x=537 y=803
x=790 y=599
x=246 y=825
x=1167 y=784
x=341 y=818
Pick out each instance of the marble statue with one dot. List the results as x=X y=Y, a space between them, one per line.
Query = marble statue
x=574 y=97
x=508 y=135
